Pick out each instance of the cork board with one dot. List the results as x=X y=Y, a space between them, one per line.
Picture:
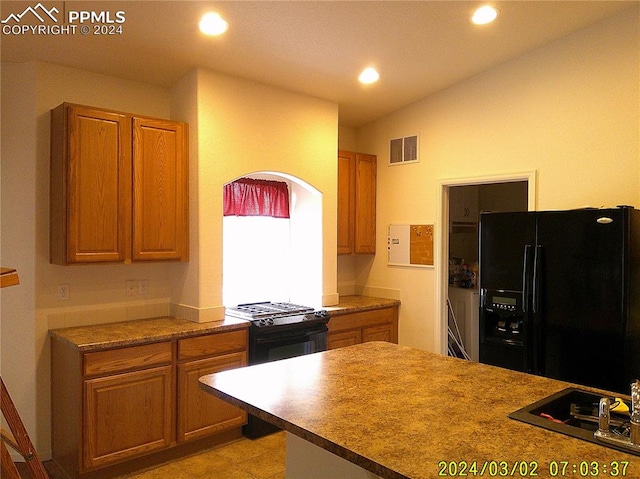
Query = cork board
x=410 y=245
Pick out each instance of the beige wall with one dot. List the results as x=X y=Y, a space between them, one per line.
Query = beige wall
x=569 y=111
x=236 y=127
x=29 y=91
x=246 y=127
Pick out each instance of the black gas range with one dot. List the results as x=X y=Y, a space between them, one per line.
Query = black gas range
x=280 y=331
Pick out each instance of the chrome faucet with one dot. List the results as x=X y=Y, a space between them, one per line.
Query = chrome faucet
x=604 y=415
x=604 y=433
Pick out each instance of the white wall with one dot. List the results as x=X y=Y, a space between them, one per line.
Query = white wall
x=569 y=111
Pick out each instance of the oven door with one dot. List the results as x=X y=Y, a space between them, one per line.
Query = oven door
x=274 y=344
x=277 y=344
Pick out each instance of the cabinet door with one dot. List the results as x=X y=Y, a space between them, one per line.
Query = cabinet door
x=90 y=185
x=160 y=190
x=346 y=201
x=383 y=332
x=199 y=413
x=365 y=204
x=343 y=339
x=127 y=415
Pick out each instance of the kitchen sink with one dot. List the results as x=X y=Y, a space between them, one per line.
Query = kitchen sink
x=573 y=412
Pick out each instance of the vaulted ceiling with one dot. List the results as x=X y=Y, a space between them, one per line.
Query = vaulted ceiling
x=317 y=48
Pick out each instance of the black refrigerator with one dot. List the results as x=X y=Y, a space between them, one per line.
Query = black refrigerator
x=560 y=294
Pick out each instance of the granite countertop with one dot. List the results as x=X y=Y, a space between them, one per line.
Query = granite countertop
x=356 y=304
x=141 y=331
x=398 y=412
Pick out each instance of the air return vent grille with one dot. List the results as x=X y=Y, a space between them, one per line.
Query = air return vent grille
x=403 y=150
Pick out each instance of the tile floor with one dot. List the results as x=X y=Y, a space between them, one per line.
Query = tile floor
x=262 y=458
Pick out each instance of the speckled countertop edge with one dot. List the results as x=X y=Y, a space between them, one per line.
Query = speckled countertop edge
x=410 y=412
x=141 y=331
x=357 y=304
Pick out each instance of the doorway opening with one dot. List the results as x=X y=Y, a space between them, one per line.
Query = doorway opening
x=462 y=200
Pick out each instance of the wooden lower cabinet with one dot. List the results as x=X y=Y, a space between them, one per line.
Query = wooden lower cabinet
x=115 y=405
x=344 y=338
x=201 y=414
x=383 y=332
x=127 y=415
x=355 y=328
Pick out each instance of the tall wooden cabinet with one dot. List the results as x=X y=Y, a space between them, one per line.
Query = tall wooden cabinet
x=356 y=202
x=118 y=185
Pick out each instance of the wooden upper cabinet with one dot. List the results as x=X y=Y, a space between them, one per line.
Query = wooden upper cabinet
x=365 y=225
x=356 y=203
x=346 y=201
x=119 y=187
x=160 y=187
x=90 y=171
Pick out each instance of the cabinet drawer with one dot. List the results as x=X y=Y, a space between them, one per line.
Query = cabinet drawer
x=360 y=320
x=125 y=359
x=212 y=344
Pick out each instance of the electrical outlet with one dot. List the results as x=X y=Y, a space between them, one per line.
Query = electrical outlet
x=143 y=286
x=131 y=287
x=63 y=292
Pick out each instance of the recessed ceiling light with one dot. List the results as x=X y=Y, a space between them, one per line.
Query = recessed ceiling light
x=369 y=75
x=213 y=24
x=484 y=15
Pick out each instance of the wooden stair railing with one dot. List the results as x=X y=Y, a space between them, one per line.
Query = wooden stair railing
x=17 y=438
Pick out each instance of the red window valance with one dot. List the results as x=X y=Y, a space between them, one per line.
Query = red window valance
x=250 y=197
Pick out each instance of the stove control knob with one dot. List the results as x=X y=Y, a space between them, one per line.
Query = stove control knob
x=321 y=314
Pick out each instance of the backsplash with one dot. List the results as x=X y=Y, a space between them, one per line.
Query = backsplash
x=106 y=313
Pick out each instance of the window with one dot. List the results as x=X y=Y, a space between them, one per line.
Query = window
x=256 y=241
x=256 y=256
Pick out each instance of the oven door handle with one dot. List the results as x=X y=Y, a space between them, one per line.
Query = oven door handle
x=282 y=336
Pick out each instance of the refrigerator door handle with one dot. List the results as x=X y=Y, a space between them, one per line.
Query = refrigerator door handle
x=525 y=277
x=537 y=265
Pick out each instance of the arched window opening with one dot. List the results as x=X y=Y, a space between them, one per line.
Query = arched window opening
x=271 y=241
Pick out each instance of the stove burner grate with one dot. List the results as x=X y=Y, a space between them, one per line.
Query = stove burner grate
x=267 y=309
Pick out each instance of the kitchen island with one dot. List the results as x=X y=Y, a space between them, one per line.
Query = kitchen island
x=400 y=412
